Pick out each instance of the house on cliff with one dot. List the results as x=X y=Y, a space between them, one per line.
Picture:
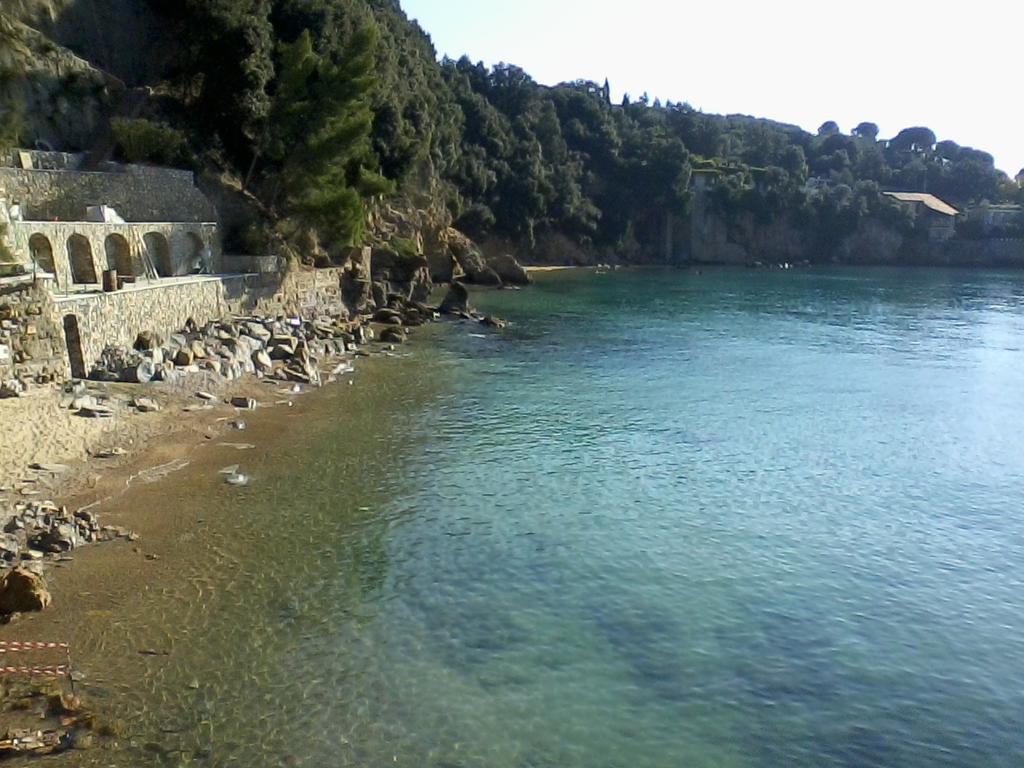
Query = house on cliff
x=930 y=214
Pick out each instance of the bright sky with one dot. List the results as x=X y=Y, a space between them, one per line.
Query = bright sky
x=956 y=68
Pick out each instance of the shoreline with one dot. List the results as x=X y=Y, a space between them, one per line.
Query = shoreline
x=553 y=268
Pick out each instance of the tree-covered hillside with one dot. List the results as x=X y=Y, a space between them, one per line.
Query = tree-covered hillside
x=319 y=108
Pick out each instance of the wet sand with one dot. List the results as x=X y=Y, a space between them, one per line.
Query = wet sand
x=137 y=492
x=96 y=589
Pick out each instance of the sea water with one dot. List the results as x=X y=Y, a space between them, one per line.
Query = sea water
x=666 y=518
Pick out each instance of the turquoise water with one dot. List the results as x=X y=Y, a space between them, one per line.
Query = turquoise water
x=748 y=519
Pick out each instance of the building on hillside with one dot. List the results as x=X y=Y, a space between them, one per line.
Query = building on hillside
x=993 y=217
x=90 y=258
x=935 y=216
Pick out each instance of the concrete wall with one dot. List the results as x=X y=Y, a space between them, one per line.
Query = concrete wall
x=168 y=248
x=139 y=193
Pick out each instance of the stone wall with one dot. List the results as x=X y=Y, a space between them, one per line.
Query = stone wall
x=31 y=343
x=137 y=192
x=41 y=160
x=77 y=253
x=115 y=319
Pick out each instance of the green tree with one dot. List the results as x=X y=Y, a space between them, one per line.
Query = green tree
x=319 y=134
x=866 y=131
x=227 y=68
x=917 y=139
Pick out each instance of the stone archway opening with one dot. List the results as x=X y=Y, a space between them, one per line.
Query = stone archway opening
x=42 y=253
x=119 y=255
x=197 y=253
x=158 y=250
x=83 y=271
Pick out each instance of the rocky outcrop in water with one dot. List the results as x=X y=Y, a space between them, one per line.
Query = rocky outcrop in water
x=508 y=270
x=456 y=301
x=470 y=259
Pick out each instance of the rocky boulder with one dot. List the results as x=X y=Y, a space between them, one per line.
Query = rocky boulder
x=456 y=301
x=392 y=335
x=355 y=281
x=147 y=340
x=22 y=591
x=398 y=267
x=510 y=271
x=470 y=259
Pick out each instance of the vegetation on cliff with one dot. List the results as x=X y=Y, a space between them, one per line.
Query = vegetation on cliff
x=321 y=106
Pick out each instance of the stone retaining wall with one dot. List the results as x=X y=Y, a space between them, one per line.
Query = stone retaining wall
x=42 y=160
x=31 y=343
x=137 y=192
x=115 y=319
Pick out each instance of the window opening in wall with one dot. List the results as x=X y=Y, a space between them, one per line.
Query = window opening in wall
x=83 y=271
x=119 y=256
x=42 y=253
x=158 y=251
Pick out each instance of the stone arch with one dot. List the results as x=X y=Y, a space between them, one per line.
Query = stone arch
x=159 y=252
x=119 y=255
x=42 y=253
x=80 y=256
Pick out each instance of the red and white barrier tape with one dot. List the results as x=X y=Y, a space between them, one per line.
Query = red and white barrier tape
x=59 y=670
x=13 y=646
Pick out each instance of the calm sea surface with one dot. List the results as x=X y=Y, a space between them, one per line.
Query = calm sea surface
x=731 y=519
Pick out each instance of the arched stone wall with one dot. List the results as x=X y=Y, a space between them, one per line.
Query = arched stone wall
x=156 y=250
x=83 y=270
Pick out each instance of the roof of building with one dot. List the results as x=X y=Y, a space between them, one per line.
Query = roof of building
x=929 y=201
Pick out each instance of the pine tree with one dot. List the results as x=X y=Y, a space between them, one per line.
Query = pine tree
x=319 y=132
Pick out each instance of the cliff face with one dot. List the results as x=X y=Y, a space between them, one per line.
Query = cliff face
x=66 y=101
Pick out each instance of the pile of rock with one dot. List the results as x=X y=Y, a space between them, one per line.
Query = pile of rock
x=456 y=257
x=34 y=532
x=288 y=349
x=36 y=529
x=283 y=348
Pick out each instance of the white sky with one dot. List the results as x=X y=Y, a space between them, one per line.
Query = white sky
x=957 y=68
